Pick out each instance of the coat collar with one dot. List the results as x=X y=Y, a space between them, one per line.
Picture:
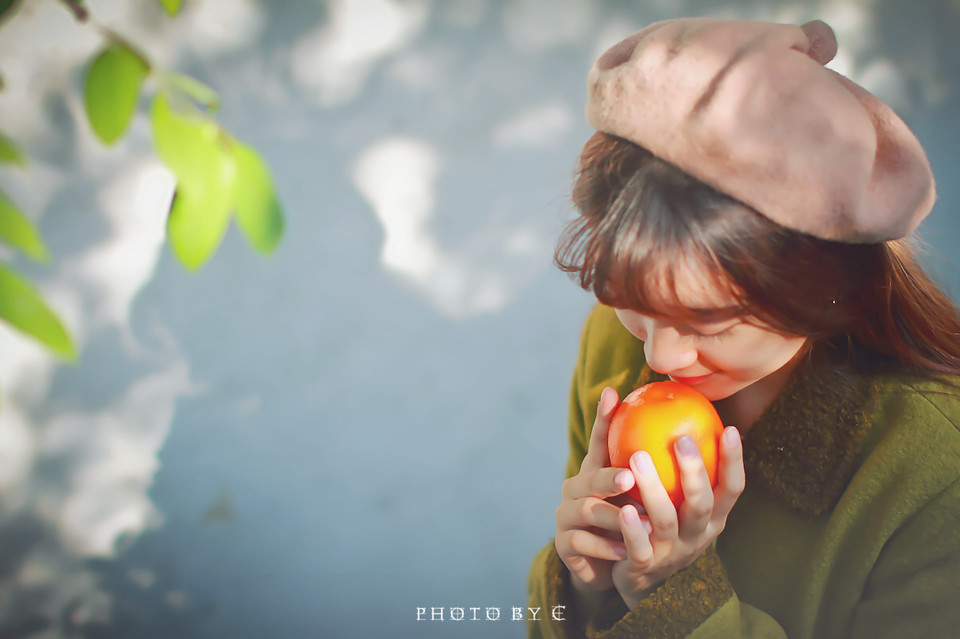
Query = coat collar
x=805 y=447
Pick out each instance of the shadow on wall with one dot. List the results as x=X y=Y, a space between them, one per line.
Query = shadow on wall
x=423 y=150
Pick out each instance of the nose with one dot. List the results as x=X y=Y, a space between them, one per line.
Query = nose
x=667 y=351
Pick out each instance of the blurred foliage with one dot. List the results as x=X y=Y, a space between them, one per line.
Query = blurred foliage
x=6 y=7
x=113 y=89
x=217 y=176
x=172 y=6
x=22 y=307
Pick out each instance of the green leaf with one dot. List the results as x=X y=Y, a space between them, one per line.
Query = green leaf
x=23 y=307
x=10 y=153
x=193 y=88
x=197 y=224
x=259 y=214
x=112 y=90
x=6 y=6
x=199 y=155
x=187 y=142
x=172 y=6
x=17 y=230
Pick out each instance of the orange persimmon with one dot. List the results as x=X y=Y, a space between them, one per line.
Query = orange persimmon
x=652 y=418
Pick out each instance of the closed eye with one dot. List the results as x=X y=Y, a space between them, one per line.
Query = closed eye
x=719 y=335
x=710 y=332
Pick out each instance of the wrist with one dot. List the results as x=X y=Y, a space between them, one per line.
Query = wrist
x=632 y=598
x=672 y=608
x=586 y=597
x=633 y=588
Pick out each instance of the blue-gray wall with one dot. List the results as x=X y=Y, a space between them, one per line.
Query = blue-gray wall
x=371 y=420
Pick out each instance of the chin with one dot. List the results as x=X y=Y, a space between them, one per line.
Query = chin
x=721 y=390
x=715 y=396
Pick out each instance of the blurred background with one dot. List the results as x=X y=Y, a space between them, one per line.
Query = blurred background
x=372 y=419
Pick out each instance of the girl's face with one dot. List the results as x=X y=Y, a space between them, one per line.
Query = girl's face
x=718 y=358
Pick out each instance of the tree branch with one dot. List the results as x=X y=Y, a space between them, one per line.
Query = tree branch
x=77 y=8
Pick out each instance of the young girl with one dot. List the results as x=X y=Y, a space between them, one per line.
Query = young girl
x=744 y=215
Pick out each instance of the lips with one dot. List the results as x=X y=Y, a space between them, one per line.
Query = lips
x=689 y=381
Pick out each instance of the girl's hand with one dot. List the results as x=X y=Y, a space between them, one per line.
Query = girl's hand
x=588 y=536
x=663 y=541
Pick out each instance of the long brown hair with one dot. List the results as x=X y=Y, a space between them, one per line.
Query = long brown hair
x=640 y=217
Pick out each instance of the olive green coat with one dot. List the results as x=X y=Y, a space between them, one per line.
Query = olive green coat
x=849 y=525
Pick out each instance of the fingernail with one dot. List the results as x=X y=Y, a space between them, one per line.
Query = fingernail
x=630 y=515
x=731 y=436
x=622 y=480
x=608 y=390
x=643 y=462
x=600 y=401
x=687 y=447
x=620 y=551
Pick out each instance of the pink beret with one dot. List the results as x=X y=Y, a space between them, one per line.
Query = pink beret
x=749 y=108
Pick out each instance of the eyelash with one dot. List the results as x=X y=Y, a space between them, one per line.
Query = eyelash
x=715 y=336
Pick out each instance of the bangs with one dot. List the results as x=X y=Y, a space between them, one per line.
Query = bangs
x=633 y=269
x=645 y=241
x=651 y=238
x=658 y=283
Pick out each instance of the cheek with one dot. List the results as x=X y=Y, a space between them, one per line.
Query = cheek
x=788 y=347
x=773 y=353
x=754 y=359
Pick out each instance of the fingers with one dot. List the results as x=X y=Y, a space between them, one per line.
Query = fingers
x=589 y=574
x=598 y=455
x=588 y=544
x=660 y=510
x=590 y=512
x=730 y=475
x=588 y=536
x=697 y=506
x=636 y=530
x=663 y=541
x=602 y=483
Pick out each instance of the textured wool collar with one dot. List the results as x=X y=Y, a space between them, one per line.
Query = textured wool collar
x=805 y=445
